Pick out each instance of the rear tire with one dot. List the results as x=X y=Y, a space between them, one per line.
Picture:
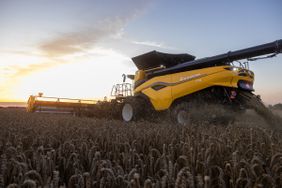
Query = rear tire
x=188 y=113
x=254 y=102
x=180 y=114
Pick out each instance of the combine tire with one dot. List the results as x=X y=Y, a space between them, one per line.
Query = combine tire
x=187 y=113
x=180 y=114
x=132 y=109
x=254 y=102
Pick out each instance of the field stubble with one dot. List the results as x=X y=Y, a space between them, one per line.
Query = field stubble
x=47 y=150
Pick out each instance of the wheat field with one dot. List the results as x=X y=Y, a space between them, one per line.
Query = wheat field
x=48 y=150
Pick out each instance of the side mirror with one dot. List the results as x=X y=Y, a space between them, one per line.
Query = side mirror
x=123 y=78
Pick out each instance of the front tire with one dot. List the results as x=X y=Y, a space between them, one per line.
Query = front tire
x=132 y=109
x=127 y=112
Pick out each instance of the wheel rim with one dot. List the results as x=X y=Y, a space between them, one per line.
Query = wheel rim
x=127 y=112
x=182 y=117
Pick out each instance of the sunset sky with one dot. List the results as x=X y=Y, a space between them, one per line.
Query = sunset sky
x=80 y=48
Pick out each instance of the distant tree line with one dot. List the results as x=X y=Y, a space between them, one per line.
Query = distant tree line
x=276 y=106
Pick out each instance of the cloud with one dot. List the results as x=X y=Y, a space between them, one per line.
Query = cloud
x=12 y=75
x=70 y=33
x=154 y=44
x=90 y=32
x=23 y=71
x=77 y=41
x=20 y=52
x=18 y=63
x=149 y=43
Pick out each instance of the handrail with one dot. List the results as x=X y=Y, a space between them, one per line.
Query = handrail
x=40 y=102
x=63 y=98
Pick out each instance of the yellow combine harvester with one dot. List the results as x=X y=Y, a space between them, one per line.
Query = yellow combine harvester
x=185 y=87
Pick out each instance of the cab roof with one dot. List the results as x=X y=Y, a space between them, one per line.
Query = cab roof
x=155 y=59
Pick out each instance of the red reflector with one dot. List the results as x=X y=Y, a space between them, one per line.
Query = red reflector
x=233 y=94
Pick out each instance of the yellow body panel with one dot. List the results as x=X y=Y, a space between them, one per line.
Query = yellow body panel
x=139 y=75
x=161 y=98
x=184 y=83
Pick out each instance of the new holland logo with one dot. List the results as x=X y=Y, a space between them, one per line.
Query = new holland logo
x=187 y=78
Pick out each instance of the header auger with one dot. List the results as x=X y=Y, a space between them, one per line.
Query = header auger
x=185 y=87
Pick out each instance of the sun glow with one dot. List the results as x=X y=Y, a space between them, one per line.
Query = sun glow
x=87 y=75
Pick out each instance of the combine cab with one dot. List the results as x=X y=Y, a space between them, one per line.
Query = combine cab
x=180 y=85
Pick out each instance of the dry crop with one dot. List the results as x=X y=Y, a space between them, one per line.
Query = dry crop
x=40 y=150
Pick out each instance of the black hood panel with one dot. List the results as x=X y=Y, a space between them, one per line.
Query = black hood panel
x=155 y=59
